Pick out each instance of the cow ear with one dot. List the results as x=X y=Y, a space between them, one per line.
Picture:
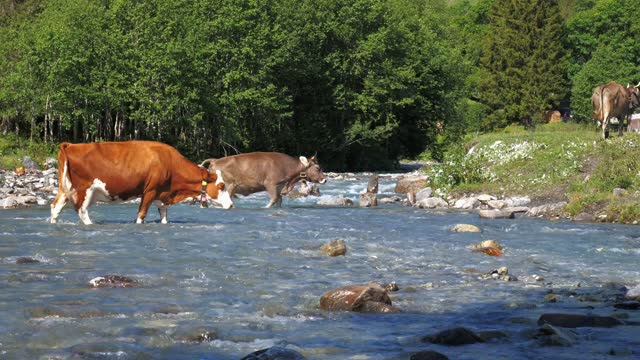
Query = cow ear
x=304 y=161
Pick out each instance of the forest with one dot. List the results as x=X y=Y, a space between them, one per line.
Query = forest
x=362 y=83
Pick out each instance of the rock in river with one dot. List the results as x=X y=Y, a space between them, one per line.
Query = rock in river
x=360 y=298
x=454 y=337
x=275 y=353
x=334 y=248
x=577 y=320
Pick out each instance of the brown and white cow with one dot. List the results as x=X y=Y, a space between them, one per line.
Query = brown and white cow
x=274 y=172
x=118 y=171
x=613 y=100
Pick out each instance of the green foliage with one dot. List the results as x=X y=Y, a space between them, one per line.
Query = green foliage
x=516 y=161
x=524 y=64
x=13 y=149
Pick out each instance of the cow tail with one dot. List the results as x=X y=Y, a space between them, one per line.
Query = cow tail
x=207 y=161
x=64 y=179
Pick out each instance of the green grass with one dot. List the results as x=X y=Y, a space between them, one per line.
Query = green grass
x=13 y=149
x=554 y=162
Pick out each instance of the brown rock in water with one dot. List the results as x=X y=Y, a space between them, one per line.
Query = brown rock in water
x=489 y=250
x=577 y=320
x=358 y=298
x=368 y=200
x=334 y=248
x=372 y=186
x=485 y=244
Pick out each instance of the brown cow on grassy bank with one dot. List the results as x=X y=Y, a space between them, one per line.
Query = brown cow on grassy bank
x=613 y=100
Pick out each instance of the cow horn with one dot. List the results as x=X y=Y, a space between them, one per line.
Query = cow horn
x=638 y=84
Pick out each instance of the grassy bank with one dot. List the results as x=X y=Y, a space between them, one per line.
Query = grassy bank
x=554 y=162
x=13 y=149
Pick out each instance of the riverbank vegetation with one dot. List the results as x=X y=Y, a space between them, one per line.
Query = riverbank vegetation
x=560 y=162
x=364 y=83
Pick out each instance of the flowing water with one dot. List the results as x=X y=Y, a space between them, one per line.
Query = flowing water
x=255 y=276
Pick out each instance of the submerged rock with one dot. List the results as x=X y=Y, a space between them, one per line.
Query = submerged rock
x=359 y=298
x=27 y=260
x=549 y=335
x=578 y=320
x=454 y=337
x=465 y=228
x=113 y=281
x=275 y=353
x=428 y=355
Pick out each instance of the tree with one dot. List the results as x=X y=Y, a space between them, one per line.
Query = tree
x=523 y=63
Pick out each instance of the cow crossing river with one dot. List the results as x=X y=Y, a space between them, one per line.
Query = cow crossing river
x=220 y=284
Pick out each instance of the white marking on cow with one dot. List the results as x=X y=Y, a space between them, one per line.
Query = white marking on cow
x=162 y=209
x=96 y=192
x=224 y=199
x=66 y=179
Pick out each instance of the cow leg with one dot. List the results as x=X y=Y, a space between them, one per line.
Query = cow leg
x=162 y=209
x=56 y=206
x=274 y=194
x=145 y=203
x=605 y=129
x=84 y=199
x=620 y=126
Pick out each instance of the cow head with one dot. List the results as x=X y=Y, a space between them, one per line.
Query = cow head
x=634 y=95
x=216 y=189
x=313 y=170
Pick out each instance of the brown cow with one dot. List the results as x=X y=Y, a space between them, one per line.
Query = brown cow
x=118 y=171
x=274 y=172
x=614 y=101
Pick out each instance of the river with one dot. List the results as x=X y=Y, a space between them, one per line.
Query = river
x=254 y=276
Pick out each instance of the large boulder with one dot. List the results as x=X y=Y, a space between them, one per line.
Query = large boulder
x=358 y=298
x=8 y=203
x=411 y=185
x=29 y=164
x=368 y=200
